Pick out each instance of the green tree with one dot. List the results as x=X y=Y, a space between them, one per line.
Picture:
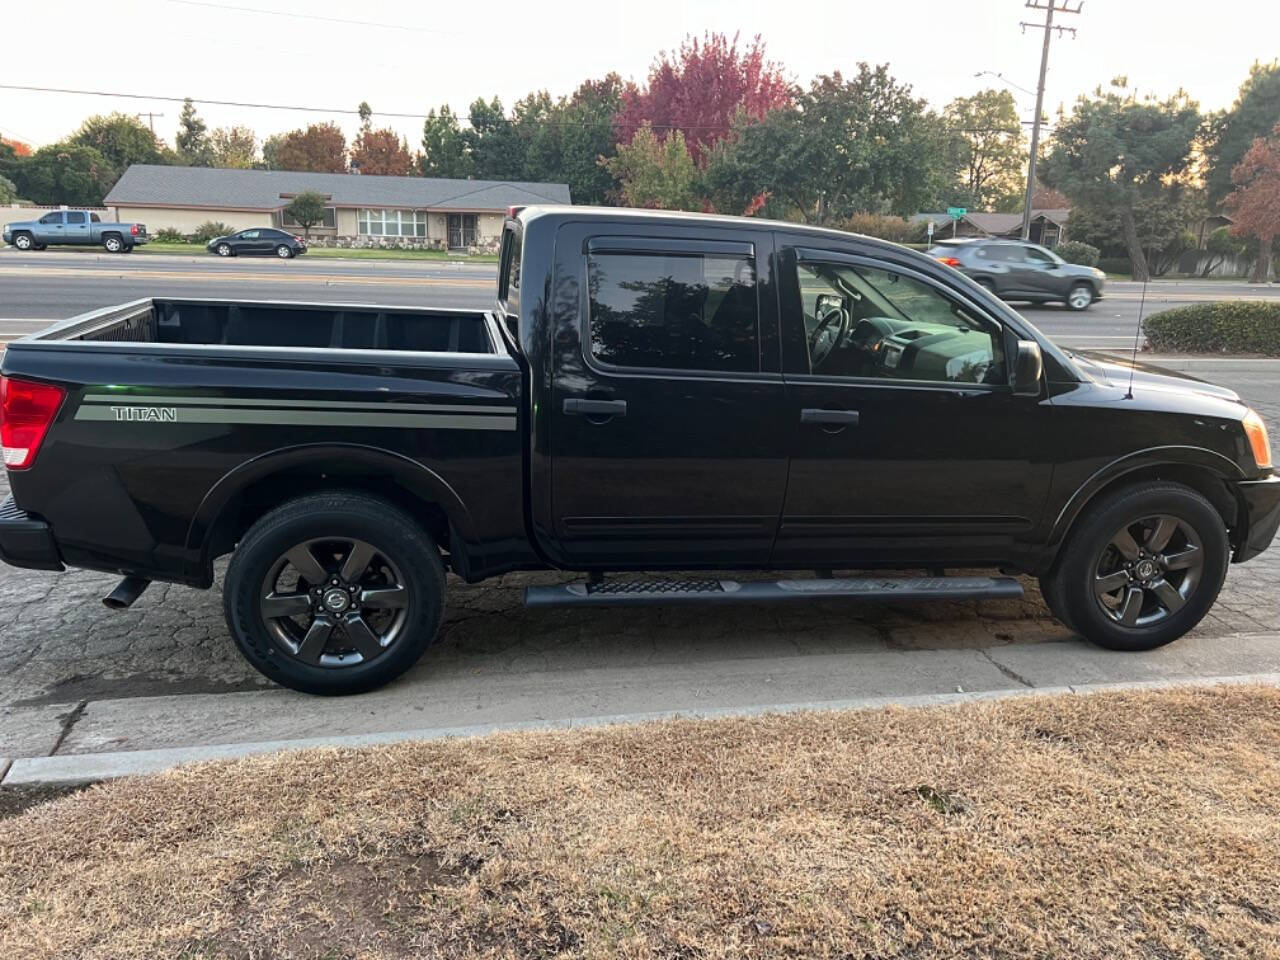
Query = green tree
x=8 y=190
x=233 y=147
x=1220 y=245
x=1232 y=132
x=192 y=140
x=67 y=173
x=271 y=151
x=495 y=150
x=657 y=173
x=120 y=140
x=989 y=152
x=445 y=150
x=1114 y=151
x=1161 y=218
x=859 y=145
x=586 y=139
x=307 y=208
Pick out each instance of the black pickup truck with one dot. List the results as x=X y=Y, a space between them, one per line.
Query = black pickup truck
x=650 y=392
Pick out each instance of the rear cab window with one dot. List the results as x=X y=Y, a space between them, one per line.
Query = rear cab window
x=674 y=309
x=509 y=273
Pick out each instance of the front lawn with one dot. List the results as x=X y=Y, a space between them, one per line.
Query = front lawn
x=337 y=253
x=1107 y=826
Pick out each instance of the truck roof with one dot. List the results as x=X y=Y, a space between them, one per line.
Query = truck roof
x=683 y=218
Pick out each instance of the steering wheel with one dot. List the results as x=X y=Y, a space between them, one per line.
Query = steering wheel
x=827 y=335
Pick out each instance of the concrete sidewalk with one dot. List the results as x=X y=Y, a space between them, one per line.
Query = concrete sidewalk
x=95 y=739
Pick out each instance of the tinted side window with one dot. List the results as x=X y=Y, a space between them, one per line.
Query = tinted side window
x=51 y=218
x=678 y=311
x=94 y=218
x=249 y=235
x=1002 y=251
x=76 y=216
x=863 y=321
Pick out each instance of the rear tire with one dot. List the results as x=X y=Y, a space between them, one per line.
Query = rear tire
x=988 y=285
x=112 y=243
x=337 y=631
x=1141 y=568
x=1079 y=297
x=23 y=242
x=283 y=252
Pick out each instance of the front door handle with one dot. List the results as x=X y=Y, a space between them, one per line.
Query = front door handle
x=595 y=408
x=843 y=418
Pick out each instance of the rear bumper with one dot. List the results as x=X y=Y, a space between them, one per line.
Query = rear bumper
x=1261 y=502
x=26 y=541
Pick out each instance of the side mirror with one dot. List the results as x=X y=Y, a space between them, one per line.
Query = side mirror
x=1028 y=368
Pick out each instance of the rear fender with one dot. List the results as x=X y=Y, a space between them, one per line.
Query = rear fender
x=317 y=459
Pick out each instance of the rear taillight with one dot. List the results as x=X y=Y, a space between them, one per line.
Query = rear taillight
x=298 y=238
x=949 y=261
x=134 y=229
x=26 y=410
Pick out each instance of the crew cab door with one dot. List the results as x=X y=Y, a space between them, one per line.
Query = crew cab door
x=77 y=228
x=667 y=404
x=50 y=228
x=907 y=440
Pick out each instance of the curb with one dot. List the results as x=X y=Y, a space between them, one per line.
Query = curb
x=1204 y=364
x=83 y=768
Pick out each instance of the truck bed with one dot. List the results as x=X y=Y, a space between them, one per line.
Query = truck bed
x=206 y=322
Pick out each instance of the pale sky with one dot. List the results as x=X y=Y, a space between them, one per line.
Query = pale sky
x=408 y=57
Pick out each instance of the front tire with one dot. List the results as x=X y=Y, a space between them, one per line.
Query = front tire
x=23 y=242
x=223 y=250
x=1079 y=297
x=334 y=593
x=1142 y=568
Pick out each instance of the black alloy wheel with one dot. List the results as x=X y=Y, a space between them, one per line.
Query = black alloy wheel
x=334 y=603
x=334 y=593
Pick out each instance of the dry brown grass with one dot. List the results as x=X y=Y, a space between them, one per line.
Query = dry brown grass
x=1136 y=825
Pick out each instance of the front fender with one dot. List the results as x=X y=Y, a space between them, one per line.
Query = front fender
x=414 y=476
x=1220 y=466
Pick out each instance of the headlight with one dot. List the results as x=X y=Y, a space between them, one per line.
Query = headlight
x=1256 y=431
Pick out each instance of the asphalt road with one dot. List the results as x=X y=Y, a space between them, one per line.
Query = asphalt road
x=44 y=286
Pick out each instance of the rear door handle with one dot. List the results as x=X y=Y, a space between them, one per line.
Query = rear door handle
x=595 y=408
x=843 y=418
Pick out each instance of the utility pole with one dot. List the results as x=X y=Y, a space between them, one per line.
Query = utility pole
x=151 y=119
x=1050 y=7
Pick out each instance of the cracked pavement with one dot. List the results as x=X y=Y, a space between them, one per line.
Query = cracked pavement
x=63 y=654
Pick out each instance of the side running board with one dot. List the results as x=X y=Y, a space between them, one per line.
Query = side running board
x=634 y=593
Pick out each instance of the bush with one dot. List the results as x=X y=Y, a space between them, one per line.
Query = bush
x=1116 y=265
x=1075 y=251
x=1234 y=326
x=897 y=229
x=170 y=235
x=210 y=229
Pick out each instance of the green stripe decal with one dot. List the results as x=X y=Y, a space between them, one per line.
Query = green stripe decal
x=161 y=414
x=135 y=399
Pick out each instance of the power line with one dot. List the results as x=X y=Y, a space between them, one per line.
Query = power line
x=312 y=16
x=460 y=118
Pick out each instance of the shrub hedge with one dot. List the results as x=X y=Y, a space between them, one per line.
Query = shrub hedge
x=1234 y=326
x=210 y=229
x=1076 y=251
x=171 y=235
x=1116 y=265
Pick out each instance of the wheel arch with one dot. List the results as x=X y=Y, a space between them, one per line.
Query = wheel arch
x=256 y=486
x=1204 y=471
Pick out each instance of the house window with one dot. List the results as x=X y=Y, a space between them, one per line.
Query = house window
x=330 y=219
x=392 y=223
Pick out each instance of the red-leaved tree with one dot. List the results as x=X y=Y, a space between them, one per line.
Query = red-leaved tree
x=381 y=152
x=1255 y=203
x=700 y=88
x=20 y=149
x=321 y=148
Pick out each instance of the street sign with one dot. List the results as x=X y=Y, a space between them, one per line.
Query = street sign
x=931 y=226
x=955 y=213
